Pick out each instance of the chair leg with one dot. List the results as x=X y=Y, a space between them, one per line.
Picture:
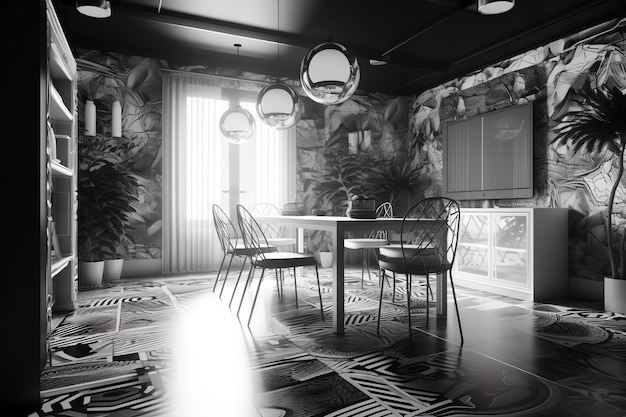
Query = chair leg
x=295 y=286
x=393 y=297
x=226 y=275
x=319 y=291
x=245 y=287
x=232 y=296
x=458 y=316
x=408 y=302
x=362 y=268
x=219 y=271
x=427 y=304
x=380 y=302
x=256 y=296
x=278 y=283
x=367 y=263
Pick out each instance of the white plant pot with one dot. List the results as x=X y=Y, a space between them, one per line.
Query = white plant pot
x=615 y=295
x=90 y=273
x=113 y=269
x=326 y=259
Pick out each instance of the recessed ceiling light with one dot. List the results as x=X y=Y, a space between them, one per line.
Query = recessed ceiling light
x=94 y=8
x=495 y=6
x=377 y=62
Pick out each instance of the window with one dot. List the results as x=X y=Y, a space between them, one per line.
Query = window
x=201 y=168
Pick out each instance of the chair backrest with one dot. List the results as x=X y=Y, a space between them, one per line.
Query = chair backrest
x=225 y=229
x=253 y=236
x=385 y=210
x=433 y=242
x=268 y=209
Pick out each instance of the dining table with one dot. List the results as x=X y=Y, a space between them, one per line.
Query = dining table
x=339 y=227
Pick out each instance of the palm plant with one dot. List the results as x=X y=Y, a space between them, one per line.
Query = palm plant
x=107 y=192
x=402 y=183
x=598 y=123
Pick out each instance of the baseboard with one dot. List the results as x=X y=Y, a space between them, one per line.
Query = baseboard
x=141 y=267
x=586 y=289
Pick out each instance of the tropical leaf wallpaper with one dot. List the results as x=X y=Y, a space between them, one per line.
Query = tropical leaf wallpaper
x=553 y=77
x=390 y=148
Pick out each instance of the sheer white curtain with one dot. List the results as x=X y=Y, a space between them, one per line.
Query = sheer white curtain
x=268 y=173
x=197 y=172
x=191 y=154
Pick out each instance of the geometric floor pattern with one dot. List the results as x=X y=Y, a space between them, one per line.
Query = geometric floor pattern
x=170 y=346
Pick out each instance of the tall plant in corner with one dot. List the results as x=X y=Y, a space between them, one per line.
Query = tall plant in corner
x=598 y=122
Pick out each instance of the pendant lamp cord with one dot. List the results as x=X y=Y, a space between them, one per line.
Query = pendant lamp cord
x=330 y=20
x=278 y=27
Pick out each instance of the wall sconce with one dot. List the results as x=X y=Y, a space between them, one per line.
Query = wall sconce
x=278 y=106
x=489 y=7
x=237 y=125
x=116 y=119
x=329 y=73
x=94 y=8
x=90 y=118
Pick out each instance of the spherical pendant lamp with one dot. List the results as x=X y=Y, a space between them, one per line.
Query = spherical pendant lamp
x=329 y=73
x=237 y=125
x=278 y=105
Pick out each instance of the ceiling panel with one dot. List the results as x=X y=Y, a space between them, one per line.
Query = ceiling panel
x=425 y=42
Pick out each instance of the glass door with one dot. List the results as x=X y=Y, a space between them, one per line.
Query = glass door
x=473 y=247
x=510 y=252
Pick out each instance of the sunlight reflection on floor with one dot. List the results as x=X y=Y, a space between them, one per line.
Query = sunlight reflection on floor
x=211 y=370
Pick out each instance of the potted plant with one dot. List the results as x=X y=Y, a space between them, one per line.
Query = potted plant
x=598 y=123
x=106 y=194
x=321 y=243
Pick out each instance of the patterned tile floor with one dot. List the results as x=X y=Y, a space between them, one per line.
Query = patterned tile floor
x=169 y=346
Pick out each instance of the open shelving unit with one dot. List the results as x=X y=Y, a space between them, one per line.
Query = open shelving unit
x=62 y=197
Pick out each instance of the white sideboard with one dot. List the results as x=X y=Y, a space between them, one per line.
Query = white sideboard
x=517 y=252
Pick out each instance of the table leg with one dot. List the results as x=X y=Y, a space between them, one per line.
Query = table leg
x=300 y=240
x=442 y=294
x=338 y=283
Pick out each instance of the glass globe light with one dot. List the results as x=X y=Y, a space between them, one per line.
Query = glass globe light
x=278 y=106
x=329 y=73
x=237 y=125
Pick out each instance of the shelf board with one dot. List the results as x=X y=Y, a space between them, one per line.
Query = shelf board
x=59 y=136
x=509 y=249
x=58 y=68
x=58 y=265
x=473 y=245
x=58 y=110
x=59 y=170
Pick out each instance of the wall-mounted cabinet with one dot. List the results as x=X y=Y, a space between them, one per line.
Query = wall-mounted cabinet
x=62 y=196
x=517 y=252
x=489 y=156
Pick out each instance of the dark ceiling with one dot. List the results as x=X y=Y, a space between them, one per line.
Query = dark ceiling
x=424 y=42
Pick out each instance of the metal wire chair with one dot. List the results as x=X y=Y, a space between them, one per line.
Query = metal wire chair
x=376 y=240
x=255 y=240
x=427 y=247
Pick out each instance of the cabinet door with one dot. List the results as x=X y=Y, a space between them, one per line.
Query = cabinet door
x=472 y=256
x=464 y=154
x=510 y=250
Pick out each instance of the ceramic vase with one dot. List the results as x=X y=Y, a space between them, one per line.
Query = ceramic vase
x=112 y=269
x=90 y=273
x=326 y=259
x=615 y=295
